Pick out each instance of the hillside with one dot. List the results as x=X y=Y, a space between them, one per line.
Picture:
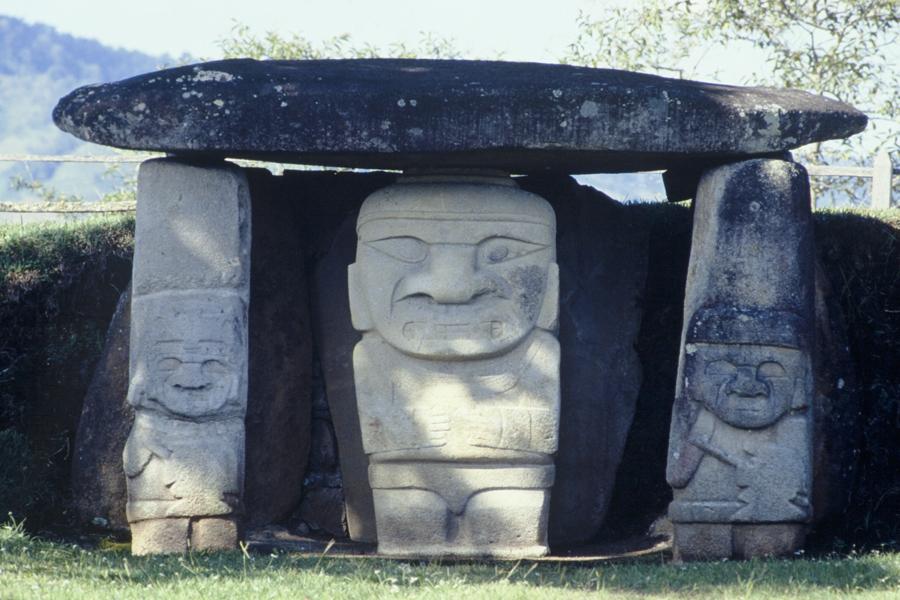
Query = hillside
x=38 y=65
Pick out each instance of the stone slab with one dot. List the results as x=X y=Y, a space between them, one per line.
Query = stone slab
x=279 y=398
x=602 y=255
x=403 y=114
x=98 y=483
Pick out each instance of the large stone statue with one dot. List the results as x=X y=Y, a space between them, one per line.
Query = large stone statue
x=184 y=459
x=740 y=451
x=457 y=375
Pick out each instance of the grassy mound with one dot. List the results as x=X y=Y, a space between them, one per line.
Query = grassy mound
x=59 y=284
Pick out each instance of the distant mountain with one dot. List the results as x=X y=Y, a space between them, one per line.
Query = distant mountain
x=38 y=65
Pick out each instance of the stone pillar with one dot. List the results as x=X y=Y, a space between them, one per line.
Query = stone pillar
x=184 y=459
x=455 y=288
x=740 y=449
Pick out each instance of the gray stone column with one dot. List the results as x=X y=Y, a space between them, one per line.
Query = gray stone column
x=184 y=459
x=740 y=449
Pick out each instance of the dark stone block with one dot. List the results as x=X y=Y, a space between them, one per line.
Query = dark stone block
x=399 y=114
x=602 y=256
x=98 y=479
x=281 y=348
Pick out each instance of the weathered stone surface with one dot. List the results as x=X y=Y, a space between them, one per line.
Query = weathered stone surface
x=98 y=483
x=184 y=458
x=380 y=113
x=280 y=367
x=456 y=290
x=740 y=449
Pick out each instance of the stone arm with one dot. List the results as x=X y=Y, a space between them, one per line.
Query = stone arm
x=514 y=428
x=691 y=449
x=404 y=429
x=140 y=448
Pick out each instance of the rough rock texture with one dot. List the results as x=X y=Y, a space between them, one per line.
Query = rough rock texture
x=184 y=458
x=380 y=113
x=741 y=445
x=279 y=398
x=98 y=482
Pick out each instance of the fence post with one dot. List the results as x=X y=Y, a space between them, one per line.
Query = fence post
x=882 y=172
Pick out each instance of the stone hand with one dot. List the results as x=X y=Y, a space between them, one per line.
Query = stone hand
x=436 y=424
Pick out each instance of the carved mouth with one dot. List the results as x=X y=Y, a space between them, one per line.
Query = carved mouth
x=748 y=404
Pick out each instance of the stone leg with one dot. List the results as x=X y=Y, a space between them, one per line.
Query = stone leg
x=184 y=459
x=214 y=534
x=740 y=449
x=702 y=541
x=769 y=539
x=412 y=522
x=505 y=524
x=160 y=536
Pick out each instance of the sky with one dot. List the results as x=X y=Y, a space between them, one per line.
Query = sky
x=505 y=29
x=486 y=28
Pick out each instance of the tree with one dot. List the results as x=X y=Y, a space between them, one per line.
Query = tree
x=243 y=43
x=845 y=49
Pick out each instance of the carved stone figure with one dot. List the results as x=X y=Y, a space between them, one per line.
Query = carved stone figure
x=457 y=375
x=740 y=452
x=184 y=458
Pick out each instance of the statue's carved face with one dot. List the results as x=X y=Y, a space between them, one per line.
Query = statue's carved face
x=443 y=285
x=192 y=377
x=189 y=365
x=747 y=386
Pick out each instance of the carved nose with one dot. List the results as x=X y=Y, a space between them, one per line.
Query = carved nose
x=449 y=277
x=189 y=377
x=746 y=383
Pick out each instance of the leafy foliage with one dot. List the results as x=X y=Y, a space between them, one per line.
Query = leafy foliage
x=244 y=43
x=845 y=49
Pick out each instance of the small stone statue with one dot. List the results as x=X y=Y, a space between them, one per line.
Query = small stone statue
x=740 y=450
x=457 y=375
x=184 y=457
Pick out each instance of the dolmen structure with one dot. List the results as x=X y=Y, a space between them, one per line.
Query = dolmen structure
x=474 y=328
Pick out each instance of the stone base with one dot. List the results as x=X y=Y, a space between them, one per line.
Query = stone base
x=173 y=536
x=506 y=523
x=716 y=541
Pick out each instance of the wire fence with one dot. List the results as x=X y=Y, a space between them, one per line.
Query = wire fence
x=881 y=174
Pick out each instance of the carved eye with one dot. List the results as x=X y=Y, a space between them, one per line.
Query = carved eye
x=720 y=368
x=496 y=250
x=214 y=367
x=168 y=364
x=406 y=249
x=771 y=369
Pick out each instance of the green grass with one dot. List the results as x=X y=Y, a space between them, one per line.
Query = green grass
x=31 y=568
x=32 y=255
